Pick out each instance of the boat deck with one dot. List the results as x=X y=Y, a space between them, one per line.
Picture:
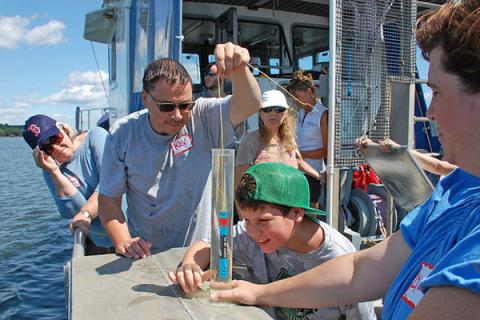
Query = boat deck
x=113 y=287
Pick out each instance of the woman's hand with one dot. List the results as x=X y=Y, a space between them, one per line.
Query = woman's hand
x=82 y=222
x=44 y=161
x=362 y=142
x=387 y=144
x=242 y=292
x=189 y=276
x=306 y=168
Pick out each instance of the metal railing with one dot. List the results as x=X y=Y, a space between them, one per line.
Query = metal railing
x=85 y=119
x=78 y=249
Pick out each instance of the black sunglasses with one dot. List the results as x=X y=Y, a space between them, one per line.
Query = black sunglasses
x=210 y=74
x=277 y=109
x=56 y=139
x=170 y=106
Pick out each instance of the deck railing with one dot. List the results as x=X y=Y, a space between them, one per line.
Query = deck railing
x=87 y=118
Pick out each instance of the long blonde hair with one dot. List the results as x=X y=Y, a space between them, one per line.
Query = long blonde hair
x=286 y=131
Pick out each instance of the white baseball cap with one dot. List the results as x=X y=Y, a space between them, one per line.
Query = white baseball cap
x=274 y=98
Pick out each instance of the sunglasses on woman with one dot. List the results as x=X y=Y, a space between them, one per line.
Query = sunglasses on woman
x=277 y=109
x=56 y=139
x=209 y=74
x=170 y=106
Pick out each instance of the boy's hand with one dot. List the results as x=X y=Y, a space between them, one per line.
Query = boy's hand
x=189 y=276
x=242 y=292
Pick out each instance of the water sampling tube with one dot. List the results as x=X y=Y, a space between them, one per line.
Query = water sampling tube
x=222 y=219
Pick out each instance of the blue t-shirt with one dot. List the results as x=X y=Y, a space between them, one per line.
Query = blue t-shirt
x=444 y=235
x=83 y=171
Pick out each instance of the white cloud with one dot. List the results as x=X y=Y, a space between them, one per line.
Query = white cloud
x=12 y=30
x=62 y=117
x=50 y=33
x=81 y=88
x=16 y=29
x=87 y=77
x=18 y=104
x=21 y=104
x=14 y=112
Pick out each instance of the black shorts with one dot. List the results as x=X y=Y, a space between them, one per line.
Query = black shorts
x=91 y=249
x=315 y=188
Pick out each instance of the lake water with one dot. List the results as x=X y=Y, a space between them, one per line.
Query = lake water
x=35 y=241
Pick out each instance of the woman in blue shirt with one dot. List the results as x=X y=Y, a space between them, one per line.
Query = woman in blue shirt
x=71 y=168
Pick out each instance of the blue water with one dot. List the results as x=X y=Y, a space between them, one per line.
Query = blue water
x=34 y=240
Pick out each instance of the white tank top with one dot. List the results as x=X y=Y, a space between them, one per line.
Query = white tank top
x=309 y=134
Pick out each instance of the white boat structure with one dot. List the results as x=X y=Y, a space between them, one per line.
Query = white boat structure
x=371 y=89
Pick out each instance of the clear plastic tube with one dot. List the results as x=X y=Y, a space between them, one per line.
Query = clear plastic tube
x=223 y=161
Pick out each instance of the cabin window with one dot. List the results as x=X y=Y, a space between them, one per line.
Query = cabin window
x=274 y=62
x=191 y=62
x=266 y=44
x=322 y=57
x=305 y=63
x=199 y=38
x=310 y=47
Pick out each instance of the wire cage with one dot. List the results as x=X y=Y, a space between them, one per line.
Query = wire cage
x=375 y=47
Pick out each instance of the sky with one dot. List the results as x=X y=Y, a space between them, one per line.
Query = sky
x=46 y=67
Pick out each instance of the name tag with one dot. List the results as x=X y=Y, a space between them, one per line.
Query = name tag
x=413 y=295
x=181 y=144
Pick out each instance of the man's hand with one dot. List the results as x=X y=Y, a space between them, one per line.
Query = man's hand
x=44 y=161
x=189 y=276
x=229 y=58
x=242 y=292
x=82 y=222
x=135 y=248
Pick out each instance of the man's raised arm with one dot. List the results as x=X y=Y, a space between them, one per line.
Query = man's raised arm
x=231 y=62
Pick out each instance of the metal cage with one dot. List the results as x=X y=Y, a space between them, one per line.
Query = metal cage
x=375 y=47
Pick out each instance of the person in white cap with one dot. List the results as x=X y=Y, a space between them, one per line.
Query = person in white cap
x=274 y=141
